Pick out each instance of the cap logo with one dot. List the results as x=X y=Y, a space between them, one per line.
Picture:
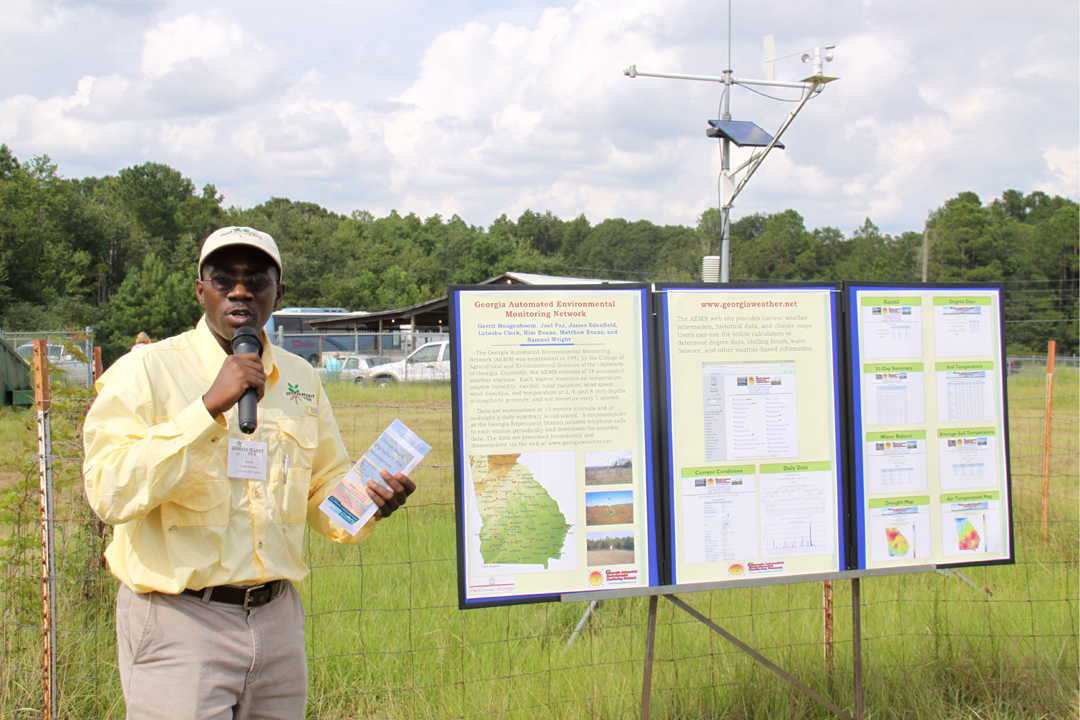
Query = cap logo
x=244 y=230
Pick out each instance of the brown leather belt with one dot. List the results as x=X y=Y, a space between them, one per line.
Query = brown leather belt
x=247 y=597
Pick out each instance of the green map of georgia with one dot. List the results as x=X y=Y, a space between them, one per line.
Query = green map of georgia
x=522 y=523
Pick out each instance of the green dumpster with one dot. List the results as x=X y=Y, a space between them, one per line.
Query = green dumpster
x=17 y=384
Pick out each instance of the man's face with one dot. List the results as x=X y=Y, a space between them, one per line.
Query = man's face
x=225 y=312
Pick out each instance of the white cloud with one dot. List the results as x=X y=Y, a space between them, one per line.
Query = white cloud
x=129 y=8
x=50 y=127
x=194 y=72
x=204 y=64
x=500 y=116
x=191 y=66
x=1064 y=164
x=529 y=112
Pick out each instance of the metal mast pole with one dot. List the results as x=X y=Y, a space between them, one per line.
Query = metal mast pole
x=725 y=168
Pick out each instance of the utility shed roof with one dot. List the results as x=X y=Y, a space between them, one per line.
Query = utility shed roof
x=434 y=314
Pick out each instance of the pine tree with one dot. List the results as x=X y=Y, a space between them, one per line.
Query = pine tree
x=154 y=301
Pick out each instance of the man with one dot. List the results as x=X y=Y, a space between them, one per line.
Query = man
x=209 y=522
x=333 y=369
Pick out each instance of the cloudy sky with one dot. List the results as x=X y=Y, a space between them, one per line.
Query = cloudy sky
x=485 y=107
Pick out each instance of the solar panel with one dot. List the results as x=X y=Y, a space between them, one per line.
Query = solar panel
x=742 y=133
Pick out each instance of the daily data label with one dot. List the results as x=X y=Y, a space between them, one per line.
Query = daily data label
x=929 y=411
x=752 y=413
x=552 y=444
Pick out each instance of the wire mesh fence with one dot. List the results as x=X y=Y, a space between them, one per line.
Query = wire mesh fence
x=71 y=353
x=385 y=637
x=1036 y=364
x=317 y=347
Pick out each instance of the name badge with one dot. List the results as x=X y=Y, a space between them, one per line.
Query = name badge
x=247 y=460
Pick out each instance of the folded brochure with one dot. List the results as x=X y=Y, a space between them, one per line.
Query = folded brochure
x=398 y=450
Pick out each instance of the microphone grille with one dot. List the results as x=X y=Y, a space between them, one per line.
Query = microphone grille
x=246 y=336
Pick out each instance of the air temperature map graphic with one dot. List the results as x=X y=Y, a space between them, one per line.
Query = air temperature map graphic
x=967 y=536
x=521 y=523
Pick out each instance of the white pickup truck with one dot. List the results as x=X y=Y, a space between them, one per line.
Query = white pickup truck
x=430 y=363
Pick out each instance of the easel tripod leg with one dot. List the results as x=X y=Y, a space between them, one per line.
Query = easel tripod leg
x=760 y=658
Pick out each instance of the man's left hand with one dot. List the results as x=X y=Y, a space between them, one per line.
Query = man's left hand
x=390 y=500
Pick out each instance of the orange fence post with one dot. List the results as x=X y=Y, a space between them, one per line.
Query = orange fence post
x=1051 y=351
x=42 y=403
x=828 y=601
x=97 y=362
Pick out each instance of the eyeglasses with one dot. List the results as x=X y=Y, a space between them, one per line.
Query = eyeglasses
x=254 y=284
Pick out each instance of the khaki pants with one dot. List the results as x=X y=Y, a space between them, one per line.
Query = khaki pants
x=184 y=658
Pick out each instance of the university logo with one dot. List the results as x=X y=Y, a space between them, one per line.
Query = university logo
x=294 y=393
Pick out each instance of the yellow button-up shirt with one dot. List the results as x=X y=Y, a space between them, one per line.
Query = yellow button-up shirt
x=156 y=468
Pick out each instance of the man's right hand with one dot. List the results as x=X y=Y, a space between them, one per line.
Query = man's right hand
x=237 y=374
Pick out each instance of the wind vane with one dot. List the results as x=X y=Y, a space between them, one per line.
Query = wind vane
x=744 y=133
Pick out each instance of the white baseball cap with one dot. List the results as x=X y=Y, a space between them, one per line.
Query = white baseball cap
x=240 y=236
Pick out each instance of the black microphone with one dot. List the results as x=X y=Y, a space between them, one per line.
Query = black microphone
x=247 y=341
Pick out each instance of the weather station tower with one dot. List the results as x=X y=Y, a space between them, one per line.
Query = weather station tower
x=746 y=134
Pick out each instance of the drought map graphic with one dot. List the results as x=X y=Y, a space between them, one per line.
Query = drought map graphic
x=967 y=535
x=522 y=523
x=899 y=547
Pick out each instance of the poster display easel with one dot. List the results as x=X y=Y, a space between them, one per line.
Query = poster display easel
x=628 y=440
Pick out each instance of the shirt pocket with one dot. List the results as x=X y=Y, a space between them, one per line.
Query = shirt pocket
x=299 y=437
x=207 y=503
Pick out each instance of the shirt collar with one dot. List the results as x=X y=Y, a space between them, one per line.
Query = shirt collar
x=213 y=356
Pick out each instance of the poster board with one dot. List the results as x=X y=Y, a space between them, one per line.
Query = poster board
x=929 y=422
x=619 y=437
x=753 y=458
x=553 y=440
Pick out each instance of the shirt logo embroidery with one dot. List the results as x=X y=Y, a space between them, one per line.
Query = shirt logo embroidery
x=294 y=393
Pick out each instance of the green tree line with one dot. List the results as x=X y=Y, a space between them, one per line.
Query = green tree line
x=118 y=253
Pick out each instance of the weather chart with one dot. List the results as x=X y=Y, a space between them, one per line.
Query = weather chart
x=624 y=437
x=754 y=465
x=930 y=426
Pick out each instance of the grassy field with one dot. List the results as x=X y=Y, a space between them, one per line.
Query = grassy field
x=386 y=640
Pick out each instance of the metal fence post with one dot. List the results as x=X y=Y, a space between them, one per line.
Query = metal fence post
x=650 y=639
x=856 y=645
x=1051 y=352
x=92 y=352
x=43 y=403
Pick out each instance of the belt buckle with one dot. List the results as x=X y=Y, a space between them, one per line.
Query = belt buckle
x=247 y=595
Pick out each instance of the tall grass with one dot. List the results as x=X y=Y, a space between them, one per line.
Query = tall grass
x=386 y=640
